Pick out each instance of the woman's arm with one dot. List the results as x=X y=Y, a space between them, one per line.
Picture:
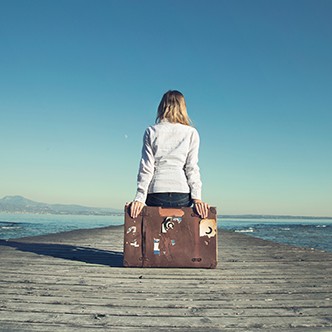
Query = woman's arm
x=192 y=169
x=145 y=174
x=194 y=177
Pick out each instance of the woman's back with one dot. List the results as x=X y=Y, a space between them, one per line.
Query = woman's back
x=173 y=146
x=171 y=142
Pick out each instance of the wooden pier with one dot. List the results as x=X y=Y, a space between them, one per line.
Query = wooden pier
x=75 y=281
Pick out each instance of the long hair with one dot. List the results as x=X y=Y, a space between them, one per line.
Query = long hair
x=173 y=108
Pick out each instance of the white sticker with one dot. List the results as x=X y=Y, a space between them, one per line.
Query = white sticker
x=131 y=229
x=208 y=227
x=134 y=244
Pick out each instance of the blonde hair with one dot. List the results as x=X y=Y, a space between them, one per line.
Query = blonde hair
x=173 y=108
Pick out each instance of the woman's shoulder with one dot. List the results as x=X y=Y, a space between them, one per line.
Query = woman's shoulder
x=151 y=130
x=190 y=129
x=165 y=125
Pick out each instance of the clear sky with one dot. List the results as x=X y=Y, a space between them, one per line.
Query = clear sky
x=81 y=80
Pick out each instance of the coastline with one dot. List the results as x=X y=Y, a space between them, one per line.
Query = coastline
x=307 y=233
x=75 y=281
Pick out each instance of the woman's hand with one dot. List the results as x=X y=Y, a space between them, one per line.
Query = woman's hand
x=136 y=208
x=201 y=208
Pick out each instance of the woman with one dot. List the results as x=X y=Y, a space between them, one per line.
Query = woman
x=168 y=173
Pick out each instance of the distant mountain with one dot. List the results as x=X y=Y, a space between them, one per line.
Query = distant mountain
x=19 y=204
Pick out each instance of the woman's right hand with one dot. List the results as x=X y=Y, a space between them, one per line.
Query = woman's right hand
x=201 y=208
x=136 y=208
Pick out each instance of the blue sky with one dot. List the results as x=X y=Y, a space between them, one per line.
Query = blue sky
x=81 y=80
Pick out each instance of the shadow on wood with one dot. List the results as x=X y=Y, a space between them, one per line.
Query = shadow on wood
x=75 y=253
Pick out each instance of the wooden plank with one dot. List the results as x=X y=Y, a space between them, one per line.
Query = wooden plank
x=66 y=282
x=109 y=320
x=115 y=301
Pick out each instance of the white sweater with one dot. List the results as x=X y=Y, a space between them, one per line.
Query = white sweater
x=169 y=161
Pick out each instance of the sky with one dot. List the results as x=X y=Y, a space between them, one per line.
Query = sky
x=80 y=80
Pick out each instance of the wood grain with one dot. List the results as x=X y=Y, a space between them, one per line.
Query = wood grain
x=75 y=281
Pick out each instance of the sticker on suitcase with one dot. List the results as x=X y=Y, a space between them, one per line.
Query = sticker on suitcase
x=208 y=227
x=169 y=223
x=156 y=249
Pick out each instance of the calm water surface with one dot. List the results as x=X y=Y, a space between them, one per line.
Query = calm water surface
x=312 y=233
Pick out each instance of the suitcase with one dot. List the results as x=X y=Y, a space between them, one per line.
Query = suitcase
x=170 y=237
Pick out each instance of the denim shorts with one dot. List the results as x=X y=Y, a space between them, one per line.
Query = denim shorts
x=169 y=200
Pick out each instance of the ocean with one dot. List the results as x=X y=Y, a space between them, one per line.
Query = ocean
x=311 y=233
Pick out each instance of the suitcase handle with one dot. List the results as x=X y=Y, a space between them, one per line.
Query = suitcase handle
x=167 y=212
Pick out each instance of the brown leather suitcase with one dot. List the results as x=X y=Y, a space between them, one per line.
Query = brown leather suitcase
x=168 y=237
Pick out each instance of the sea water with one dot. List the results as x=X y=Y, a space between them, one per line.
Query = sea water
x=21 y=225
x=311 y=233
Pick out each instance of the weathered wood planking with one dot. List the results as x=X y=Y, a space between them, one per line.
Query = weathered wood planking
x=75 y=281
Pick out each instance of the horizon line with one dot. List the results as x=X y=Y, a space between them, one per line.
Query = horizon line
x=232 y=215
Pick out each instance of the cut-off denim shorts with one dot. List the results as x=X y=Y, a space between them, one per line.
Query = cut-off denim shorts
x=169 y=200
